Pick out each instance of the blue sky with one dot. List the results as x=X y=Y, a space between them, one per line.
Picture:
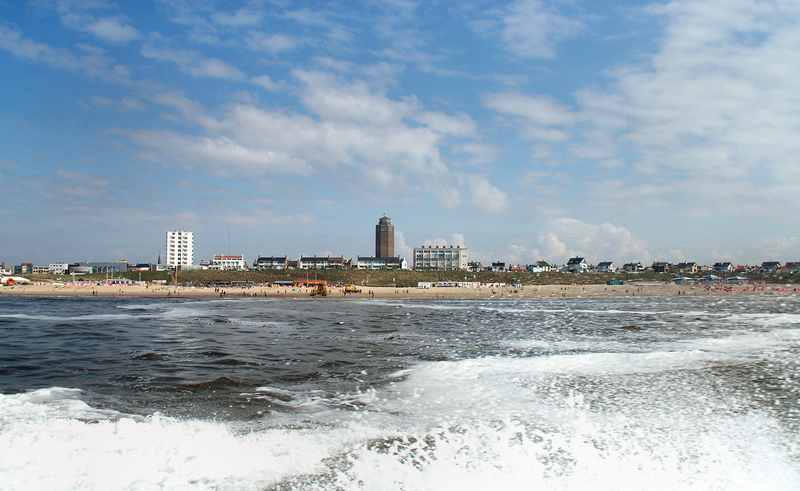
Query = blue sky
x=524 y=130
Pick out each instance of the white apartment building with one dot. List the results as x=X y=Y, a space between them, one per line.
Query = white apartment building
x=444 y=258
x=180 y=248
x=227 y=263
x=58 y=268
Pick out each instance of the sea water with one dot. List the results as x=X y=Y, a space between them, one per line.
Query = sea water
x=277 y=394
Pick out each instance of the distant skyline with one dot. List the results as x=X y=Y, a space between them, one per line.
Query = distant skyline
x=524 y=130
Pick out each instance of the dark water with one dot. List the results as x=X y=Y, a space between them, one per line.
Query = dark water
x=403 y=394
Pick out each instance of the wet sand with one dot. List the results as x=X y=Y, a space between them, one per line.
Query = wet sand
x=541 y=291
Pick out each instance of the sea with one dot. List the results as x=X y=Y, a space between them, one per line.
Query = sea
x=697 y=392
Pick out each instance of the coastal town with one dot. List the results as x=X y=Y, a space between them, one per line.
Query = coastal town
x=179 y=256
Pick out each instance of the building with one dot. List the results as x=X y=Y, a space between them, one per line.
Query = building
x=227 y=263
x=270 y=262
x=723 y=267
x=633 y=267
x=577 y=265
x=770 y=267
x=440 y=258
x=687 y=267
x=384 y=238
x=105 y=267
x=180 y=248
x=58 y=268
x=324 y=262
x=385 y=263
x=661 y=267
x=498 y=267
x=606 y=267
x=539 y=267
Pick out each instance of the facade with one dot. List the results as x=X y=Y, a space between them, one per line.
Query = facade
x=606 y=267
x=384 y=263
x=498 y=267
x=78 y=269
x=577 y=265
x=180 y=248
x=661 y=267
x=270 y=262
x=227 y=263
x=104 y=267
x=723 y=267
x=687 y=267
x=384 y=238
x=633 y=267
x=326 y=262
x=440 y=258
x=58 y=268
x=539 y=267
x=770 y=267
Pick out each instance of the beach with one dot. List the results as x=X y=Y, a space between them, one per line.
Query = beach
x=435 y=293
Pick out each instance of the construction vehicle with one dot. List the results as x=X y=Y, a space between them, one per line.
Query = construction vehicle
x=351 y=289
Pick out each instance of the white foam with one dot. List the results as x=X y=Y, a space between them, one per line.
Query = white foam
x=46 y=444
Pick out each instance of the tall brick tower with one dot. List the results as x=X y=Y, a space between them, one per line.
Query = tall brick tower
x=384 y=238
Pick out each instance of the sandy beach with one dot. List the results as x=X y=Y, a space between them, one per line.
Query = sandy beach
x=499 y=293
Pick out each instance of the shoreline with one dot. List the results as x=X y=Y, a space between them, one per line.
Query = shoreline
x=436 y=293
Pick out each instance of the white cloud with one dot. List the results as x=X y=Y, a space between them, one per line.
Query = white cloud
x=80 y=16
x=125 y=104
x=92 y=62
x=355 y=138
x=401 y=248
x=191 y=62
x=273 y=43
x=220 y=156
x=713 y=111
x=267 y=82
x=114 y=30
x=241 y=17
x=563 y=238
x=532 y=29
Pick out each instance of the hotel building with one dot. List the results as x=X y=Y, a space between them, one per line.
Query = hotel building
x=180 y=248
x=440 y=258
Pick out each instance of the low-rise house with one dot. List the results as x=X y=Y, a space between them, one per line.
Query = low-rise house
x=791 y=267
x=633 y=267
x=661 y=267
x=606 y=267
x=539 y=267
x=270 y=262
x=577 y=265
x=475 y=267
x=770 y=267
x=519 y=268
x=687 y=267
x=498 y=267
x=723 y=267
x=227 y=262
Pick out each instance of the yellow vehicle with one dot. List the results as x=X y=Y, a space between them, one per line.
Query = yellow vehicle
x=320 y=290
x=351 y=289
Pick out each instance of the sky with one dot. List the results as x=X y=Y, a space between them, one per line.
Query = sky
x=523 y=130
